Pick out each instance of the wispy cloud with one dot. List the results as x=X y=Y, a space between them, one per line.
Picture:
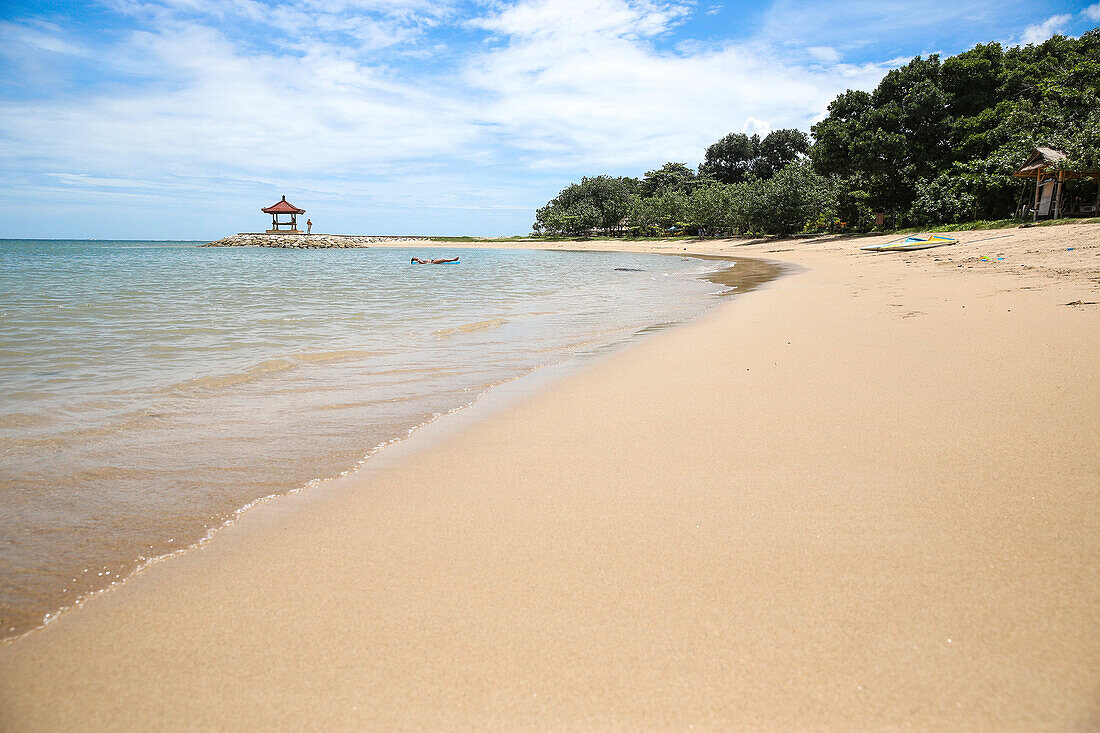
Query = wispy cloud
x=564 y=20
x=826 y=54
x=566 y=91
x=1040 y=32
x=401 y=113
x=212 y=105
x=363 y=25
x=856 y=23
x=554 y=90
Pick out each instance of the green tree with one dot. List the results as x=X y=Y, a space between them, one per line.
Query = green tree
x=794 y=200
x=737 y=156
x=594 y=203
x=717 y=208
x=576 y=218
x=670 y=176
x=730 y=160
x=935 y=141
x=975 y=116
x=778 y=149
x=669 y=209
x=836 y=137
x=946 y=199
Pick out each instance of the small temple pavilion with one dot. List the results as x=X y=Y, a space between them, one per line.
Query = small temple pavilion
x=281 y=226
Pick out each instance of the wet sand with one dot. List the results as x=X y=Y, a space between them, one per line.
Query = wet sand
x=864 y=495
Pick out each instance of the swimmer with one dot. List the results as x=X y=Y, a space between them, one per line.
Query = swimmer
x=439 y=261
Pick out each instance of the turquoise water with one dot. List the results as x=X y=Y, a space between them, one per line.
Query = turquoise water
x=153 y=389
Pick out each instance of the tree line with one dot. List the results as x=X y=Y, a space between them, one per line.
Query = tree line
x=936 y=142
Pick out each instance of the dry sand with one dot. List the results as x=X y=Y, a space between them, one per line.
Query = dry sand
x=863 y=496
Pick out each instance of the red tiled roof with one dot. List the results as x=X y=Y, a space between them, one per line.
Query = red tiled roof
x=283 y=207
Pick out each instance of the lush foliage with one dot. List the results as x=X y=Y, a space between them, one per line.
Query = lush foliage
x=669 y=177
x=795 y=199
x=938 y=141
x=594 y=203
x=944 y=200
x=935 y=143
x=738 y=157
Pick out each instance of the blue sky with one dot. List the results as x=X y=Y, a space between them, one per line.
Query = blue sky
x=180 y=119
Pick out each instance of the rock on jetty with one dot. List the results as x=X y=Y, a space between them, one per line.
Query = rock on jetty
x=307 y=241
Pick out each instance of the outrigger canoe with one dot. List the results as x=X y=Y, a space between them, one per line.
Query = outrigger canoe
x=911 y=243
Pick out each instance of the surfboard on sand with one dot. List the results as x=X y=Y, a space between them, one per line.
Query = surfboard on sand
x=911 y=243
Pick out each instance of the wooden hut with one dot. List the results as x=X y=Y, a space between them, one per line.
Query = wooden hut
x=281 y=226
x=1050 y=180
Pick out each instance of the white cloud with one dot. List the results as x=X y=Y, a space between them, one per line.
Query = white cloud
x=569 y=93
x=825 y=54
x=43 y=37
x=550 y=92
x=754 y=126
x=1042 y=31
x=222 y=98
x=214 y=111
x=1092 y=12
x=567 y=19
x=372 y=24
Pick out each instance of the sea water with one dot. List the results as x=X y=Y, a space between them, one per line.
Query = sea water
x=150 y=390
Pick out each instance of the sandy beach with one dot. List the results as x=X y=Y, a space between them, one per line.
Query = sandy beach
x=862 y=496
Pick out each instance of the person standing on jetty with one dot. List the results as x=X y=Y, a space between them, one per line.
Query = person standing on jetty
x=309 y=226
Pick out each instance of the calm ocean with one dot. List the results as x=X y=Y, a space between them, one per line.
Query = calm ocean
x=153 y=389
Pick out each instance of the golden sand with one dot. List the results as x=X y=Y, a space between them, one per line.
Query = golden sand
x=863 y=496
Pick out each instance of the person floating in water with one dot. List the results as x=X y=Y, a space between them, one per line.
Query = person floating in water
x=439 y=261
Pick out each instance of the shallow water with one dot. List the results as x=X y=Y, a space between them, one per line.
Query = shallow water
x=152 y=389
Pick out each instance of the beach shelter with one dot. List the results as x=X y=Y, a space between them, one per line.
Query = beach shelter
x=1050 y=180
x=281 y=208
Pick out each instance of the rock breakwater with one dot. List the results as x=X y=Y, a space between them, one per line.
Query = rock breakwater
x=308 y=241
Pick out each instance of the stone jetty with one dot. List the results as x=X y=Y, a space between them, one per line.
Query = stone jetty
x=308 y=241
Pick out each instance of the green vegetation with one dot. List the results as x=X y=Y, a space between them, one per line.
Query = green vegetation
x=933 y=146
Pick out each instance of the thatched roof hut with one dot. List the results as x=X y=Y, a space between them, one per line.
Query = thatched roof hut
x=1040 y=160
x=1050 y=178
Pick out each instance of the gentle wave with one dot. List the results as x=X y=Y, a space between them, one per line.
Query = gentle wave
x=25 y=420
x=320 y=357
x=153 y=391
x=265 y=369
x=474 y=327
x=214 y=381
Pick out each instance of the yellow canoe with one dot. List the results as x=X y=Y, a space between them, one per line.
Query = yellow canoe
x=911 y=243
